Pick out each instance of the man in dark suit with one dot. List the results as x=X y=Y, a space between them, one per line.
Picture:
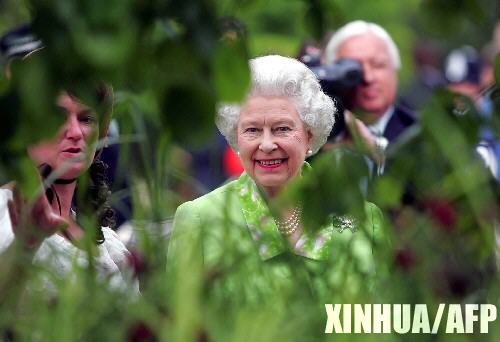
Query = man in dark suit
x=377 y=121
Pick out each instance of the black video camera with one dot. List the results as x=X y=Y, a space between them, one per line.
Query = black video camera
x=337 y=81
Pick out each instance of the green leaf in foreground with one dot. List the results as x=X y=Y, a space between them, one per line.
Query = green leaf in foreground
x=333 y=186
x=231 y=72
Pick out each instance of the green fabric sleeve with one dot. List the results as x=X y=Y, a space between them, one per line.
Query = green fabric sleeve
x=185 y=270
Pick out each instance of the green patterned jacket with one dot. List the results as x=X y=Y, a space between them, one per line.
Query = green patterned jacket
x=228 y=242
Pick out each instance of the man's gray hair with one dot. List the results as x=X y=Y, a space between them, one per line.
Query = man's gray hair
x=357 y=28
x=287 y=77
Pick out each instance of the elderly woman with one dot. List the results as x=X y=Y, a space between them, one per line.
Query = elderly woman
x=230 y=236
x=49 y=229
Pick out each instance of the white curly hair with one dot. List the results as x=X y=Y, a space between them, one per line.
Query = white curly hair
x=283 y=76
x=357 y=28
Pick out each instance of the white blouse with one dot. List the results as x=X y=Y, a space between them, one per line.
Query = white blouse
x=59 y=255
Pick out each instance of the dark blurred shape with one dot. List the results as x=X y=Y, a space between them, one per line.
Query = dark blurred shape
x=207 y=163
x=336 y=79
x=202 y=336
x=8 y=335
x=137 y=263
x=232 y=29
x=141 y=332
x=442 y=212
x=457 y=278
x=404 y=259
x=427 y=58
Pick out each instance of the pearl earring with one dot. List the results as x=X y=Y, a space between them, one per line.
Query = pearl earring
x=309 y=152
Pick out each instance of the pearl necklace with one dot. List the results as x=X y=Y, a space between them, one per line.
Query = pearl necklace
x=290 y=225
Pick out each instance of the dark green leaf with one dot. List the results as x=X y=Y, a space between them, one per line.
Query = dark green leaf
x=231 y=71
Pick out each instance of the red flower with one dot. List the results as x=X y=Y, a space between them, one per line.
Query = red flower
x=404 y=259
x=442 y=212
x=141 y=332
x=137 y=262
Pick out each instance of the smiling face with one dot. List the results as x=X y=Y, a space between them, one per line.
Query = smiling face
x=71 y=145
x=272 y=141
x=377 y=92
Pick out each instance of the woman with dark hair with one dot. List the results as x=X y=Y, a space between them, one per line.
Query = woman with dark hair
x=49 y=228
x=68 y=156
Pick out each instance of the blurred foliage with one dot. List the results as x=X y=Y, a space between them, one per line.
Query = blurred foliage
x=13 y=13
x=331 y=187
x=170 y=63
x=459 y=20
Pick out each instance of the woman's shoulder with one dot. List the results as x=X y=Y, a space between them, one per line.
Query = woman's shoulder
x=210 y=209
x=217 y=197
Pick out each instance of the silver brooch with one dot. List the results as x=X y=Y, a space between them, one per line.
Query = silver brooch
x=342 y=223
